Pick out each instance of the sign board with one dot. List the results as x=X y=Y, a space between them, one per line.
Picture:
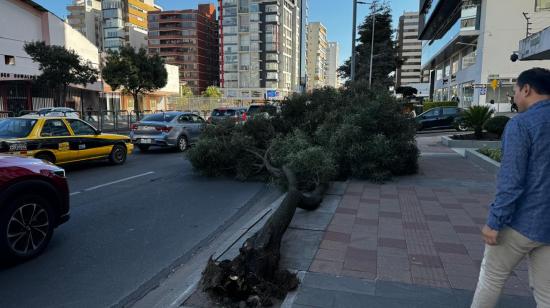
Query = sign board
x=272 y=94
x=479 y=85
x=483 y=91
x=494 y=76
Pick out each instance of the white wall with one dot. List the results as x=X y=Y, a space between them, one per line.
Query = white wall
x=173 y=82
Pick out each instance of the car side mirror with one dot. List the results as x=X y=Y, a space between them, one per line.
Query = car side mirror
x=98 y=131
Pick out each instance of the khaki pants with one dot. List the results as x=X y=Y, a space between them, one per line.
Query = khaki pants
x=500 y=260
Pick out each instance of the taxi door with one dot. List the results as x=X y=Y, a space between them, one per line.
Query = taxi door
x=90 y=144
x=56 y=138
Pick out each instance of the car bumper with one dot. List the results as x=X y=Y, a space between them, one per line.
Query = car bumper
x=162 y=140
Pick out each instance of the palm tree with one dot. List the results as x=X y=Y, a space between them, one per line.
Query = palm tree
x=475 y=117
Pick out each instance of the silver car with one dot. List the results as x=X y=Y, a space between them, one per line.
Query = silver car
x=167 y=129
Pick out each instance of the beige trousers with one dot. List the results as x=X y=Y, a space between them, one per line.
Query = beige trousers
x=499 y=261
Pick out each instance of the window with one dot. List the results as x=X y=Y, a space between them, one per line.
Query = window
x=449 y=111
x=542 y=5
x=9 y=60
x=54 y=128
x=185 y=119
x=80 y=128
x=16 y=127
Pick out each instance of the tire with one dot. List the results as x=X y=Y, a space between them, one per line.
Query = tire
x=143 y=147
x=45 y=156
x=182 y=145
x=118 y=154
x=461 y=127
x=26 y=228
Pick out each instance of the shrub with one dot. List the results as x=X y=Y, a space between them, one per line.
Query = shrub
x=494 y=154
x=496 y=125
x=427 y=105
x=475 y=117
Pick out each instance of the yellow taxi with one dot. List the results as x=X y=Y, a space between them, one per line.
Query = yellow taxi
x=61 y=140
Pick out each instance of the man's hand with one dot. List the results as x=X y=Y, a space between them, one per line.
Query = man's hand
x=489 y=235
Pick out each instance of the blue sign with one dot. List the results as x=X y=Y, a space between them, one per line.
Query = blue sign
x=272 y=94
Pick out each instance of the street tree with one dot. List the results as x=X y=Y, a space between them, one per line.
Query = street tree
x=185 y=91
x=385 y=58
x=135 y=72
x=60 y=68
x=212 y=91
x=407 y=92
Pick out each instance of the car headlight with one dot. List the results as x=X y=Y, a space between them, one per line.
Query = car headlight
x=59 y=172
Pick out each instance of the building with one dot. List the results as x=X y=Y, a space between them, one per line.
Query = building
x=304 y=12
x=260 y=48
x=535 y=46
x=316 y=55
x=85 y=16
x=125 y=22
x=333 y=65
x=409 y=49
x=189 y=40
x=467 y=47
x=24 y=21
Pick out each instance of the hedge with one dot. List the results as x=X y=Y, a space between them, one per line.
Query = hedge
x=429 y=105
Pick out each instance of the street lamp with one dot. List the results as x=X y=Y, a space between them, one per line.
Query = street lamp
x=373 y=14
x=353 y=35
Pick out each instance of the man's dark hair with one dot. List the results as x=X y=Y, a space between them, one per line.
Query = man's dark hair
x=537 y=78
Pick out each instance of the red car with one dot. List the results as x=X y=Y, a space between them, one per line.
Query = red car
x=34 y=199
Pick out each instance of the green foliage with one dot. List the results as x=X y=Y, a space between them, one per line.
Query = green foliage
x=135 y=72
x=385 y=54
x=406 y=91
x=185 y=91
x=60 y=67
x=212 y=91
x=496 y=125
x=494 y=154
x=475 y=117
x=427 y=105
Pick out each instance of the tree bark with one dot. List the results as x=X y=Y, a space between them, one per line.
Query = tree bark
x=136 y=105
x=254 y=277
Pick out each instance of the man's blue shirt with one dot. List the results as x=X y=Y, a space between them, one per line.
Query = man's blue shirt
x=523 y=187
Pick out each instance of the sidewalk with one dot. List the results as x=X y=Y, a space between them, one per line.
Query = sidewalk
x=413 y=242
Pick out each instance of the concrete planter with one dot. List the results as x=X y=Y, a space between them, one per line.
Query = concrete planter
x=483 y=161
x=470 y=144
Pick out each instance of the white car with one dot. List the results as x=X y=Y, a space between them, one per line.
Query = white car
x=56 y=112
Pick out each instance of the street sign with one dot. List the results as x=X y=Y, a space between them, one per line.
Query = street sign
x=494 y=76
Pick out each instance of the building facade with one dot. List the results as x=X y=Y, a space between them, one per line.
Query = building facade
x=409 y=50
x=260 y=48
x=316 y=55
x=189 y=40
x=467 y=46
x=125 y=22
x=304 y=14
x=85 y=17
x=333 y=64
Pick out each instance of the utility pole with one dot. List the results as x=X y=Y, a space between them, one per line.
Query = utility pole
x=353 y=34
x=372 y=42
x=529 y=24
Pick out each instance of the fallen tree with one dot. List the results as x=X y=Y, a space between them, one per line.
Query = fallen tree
x=317 y=138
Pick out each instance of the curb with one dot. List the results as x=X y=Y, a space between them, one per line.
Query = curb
x=483 y=161
x=478 y=144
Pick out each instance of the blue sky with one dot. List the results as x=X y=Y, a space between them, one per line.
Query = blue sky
x=334 y=14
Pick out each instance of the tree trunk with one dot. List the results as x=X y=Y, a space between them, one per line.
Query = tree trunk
x=254 y=276
x=136 y=105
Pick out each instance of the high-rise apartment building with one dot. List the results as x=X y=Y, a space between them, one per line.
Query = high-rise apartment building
x=409 y=49
x=304 y=12
x=125 y=22
x=189 y=40
x=316 y=55
x=85 y=17
x=260 y=48
x=333 y=65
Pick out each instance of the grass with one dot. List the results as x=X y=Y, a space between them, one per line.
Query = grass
x=494 y=154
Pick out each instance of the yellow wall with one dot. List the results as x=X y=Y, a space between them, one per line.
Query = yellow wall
x=132 y=11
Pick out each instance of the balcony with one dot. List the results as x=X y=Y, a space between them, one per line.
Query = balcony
x=436 y=17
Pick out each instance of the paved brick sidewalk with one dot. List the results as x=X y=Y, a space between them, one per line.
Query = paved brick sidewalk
x=421 y=231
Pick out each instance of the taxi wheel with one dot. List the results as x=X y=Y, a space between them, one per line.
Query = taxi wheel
x=118 y=154
x=45 y=156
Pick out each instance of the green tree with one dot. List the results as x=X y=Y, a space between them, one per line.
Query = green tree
x=212 y=91
x=407 y=92
x=60 y=67
x=185 y=91
x=135 y=72
x=385 y=58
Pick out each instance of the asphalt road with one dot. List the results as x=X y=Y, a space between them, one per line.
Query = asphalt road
x=128 y=224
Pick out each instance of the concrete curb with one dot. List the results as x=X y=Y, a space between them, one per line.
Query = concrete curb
x=477 y=144
x=483 y=161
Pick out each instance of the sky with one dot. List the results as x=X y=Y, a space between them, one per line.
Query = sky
x=335 y=15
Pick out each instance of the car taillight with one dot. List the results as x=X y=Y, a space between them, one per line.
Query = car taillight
x=244 y=116
x=134 y=127
x=164 y=129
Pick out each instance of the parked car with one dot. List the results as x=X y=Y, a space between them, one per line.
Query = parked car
x=61 y=140
x=441 y=117
x=237 y=114
x=264 y=110
x=167 y=129
x=57 y=112
x=34 y=200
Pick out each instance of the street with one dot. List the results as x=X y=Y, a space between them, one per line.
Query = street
x=129 y=225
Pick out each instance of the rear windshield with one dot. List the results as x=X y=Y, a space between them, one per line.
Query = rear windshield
x=258 y=108
x=16 y=128
x=160 y=117
x=223 y=112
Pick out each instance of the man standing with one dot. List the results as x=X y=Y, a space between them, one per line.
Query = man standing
x=519 y=219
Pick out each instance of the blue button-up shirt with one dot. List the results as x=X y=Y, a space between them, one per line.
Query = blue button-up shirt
x=523 y=188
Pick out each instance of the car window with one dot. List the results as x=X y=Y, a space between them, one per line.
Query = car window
x=449 y=111
x=197 y=119
x=16 y=128
x=53 y=128
x=431 y=113
x=81 y=128
x=160 y=117
x=185 y=119
x=223 y=112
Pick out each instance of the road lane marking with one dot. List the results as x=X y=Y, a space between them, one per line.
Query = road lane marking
x=75 y=193
x=119 y=181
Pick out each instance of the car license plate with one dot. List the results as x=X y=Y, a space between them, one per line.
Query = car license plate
x=147 y=128
x=146 y=141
